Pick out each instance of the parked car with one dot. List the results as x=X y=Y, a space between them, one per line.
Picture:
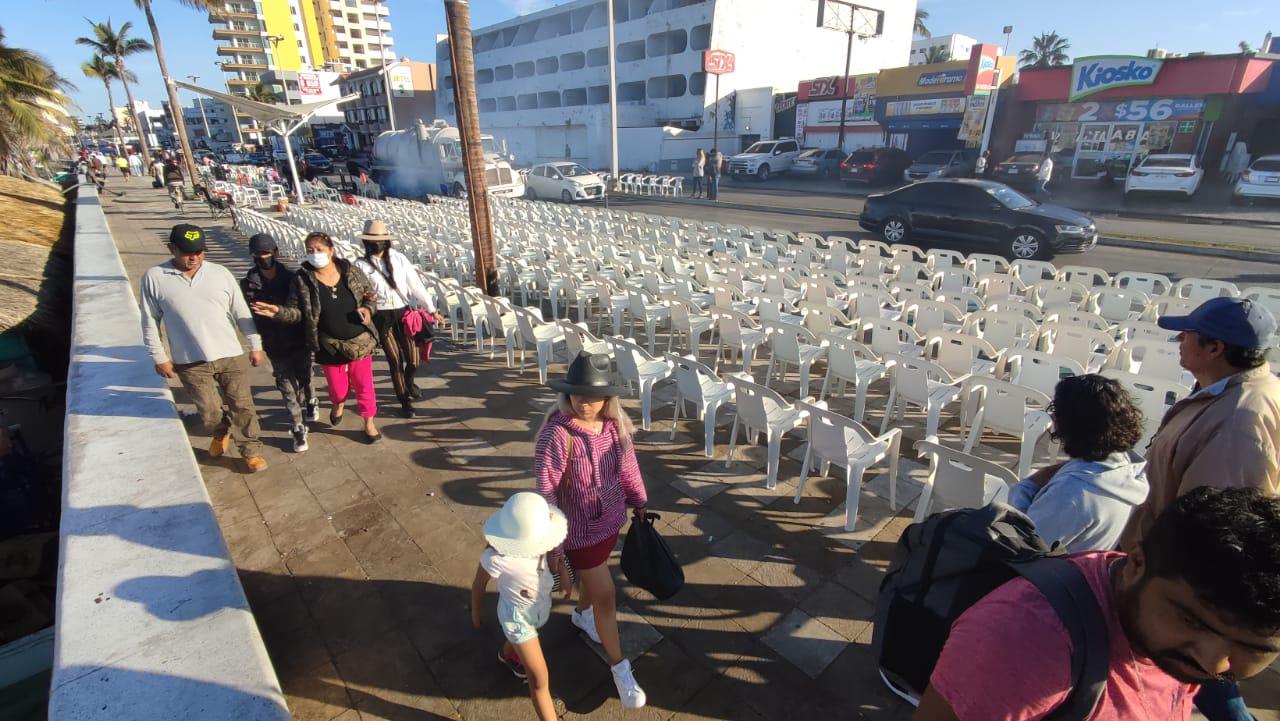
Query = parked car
x=940 y=164
x=818 y=162
x=319 y=162
x=874 y=166
x=259 y=158
x=765 y=158
x=1262 y=180
x=980 y=215
x=1165 y=173
x=565 y=180
x=1020 y=170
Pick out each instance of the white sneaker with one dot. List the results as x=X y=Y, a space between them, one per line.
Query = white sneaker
x=628 y=690
x=586 y=620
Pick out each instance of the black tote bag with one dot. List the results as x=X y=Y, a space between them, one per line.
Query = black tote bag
x=647 y=562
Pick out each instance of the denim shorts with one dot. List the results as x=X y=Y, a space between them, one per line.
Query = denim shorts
x=521 y=623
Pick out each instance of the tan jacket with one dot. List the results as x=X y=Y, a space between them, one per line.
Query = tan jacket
x=1226 y=440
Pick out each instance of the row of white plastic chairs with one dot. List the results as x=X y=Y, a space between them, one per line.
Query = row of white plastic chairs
x=641 y=184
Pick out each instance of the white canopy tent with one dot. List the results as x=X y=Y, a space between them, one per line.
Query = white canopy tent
x=283 y=119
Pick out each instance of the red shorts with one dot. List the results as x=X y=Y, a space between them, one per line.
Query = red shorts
x=585 y=559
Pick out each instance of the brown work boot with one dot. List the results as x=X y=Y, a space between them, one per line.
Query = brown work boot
x=253 y=464
x=219 y=445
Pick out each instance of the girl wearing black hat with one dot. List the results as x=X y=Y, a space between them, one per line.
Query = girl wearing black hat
x=585 y=464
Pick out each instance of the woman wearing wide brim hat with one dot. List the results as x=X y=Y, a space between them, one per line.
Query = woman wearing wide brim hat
x=398 y=287
x=585 y=464
x=520 y=535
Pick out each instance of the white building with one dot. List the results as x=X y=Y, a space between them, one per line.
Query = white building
x=957 y=46
x=214 y=115
x=542 y=79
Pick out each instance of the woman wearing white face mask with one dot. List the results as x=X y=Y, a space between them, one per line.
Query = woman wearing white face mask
x=335 y=303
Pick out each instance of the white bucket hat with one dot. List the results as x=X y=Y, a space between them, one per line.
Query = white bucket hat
x=526 y=526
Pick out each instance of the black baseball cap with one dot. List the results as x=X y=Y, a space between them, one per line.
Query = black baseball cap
x=187 y=238
x=1235 y=321
x=262 y=243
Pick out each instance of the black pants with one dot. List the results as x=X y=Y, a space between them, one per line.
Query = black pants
x=697 y=186
x=398 y=347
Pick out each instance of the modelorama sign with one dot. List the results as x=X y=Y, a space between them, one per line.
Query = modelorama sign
x=943 y=77
x=1103 y=72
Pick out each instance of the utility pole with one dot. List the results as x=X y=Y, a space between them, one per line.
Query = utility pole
x=200 y=101
x=382 y=51
x=458 y=17
x=844 y=89
x=613 y=99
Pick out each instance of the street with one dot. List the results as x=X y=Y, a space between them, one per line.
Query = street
x=831 y=215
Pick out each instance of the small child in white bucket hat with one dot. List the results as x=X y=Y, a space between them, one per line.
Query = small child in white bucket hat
x=520 y=535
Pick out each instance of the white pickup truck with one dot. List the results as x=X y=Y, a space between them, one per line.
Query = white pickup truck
x=765 y=158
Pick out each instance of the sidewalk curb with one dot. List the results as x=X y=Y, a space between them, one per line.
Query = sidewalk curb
x=1241 y=253
x=1197 y=219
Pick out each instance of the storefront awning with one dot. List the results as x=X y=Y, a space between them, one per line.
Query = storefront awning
x=923 y=123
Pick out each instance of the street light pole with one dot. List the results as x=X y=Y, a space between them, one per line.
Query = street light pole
x=208 y=136
x=844 y=89
x=235 y=117
x=613 y=99
x=382 y=51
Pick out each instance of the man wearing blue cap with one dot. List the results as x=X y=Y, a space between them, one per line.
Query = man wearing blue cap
x=1225 y=434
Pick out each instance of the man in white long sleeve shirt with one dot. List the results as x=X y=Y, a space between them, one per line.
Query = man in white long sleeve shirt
x=201 y=307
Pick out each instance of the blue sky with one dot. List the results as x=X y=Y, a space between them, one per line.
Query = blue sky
x=50 y=27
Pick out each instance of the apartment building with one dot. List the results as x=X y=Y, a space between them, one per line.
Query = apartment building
x=275 y=41
x=542 y=78
x=413 y=97
x=209 y=124
x=956 y=46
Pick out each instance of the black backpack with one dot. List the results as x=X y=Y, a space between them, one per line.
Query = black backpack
x=946 y=564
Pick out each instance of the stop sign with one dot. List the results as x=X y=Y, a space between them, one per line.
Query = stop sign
x=717 y=62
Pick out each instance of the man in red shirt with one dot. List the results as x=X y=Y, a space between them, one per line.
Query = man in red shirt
x=1199 y=601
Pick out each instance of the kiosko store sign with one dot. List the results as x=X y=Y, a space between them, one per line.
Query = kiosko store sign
x=1103 y=72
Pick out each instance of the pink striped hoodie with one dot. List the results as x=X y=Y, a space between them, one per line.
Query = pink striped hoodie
x=602 y=483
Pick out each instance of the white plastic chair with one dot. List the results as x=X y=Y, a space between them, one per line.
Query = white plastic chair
x=982 y=263
x=918 y=382
x=927 y=316
x=1083 y=318
x=499 y=321
x=885 y=336
x=699 y=385
x=1153 y=396
x=960 y=480
x=635 y=366
x=791 y=344
x=1149 y=283
x=849 y=361
x=646 y=312
x=1269 y=298
x=689 y=323
x=1031 y=272
x=762 y=409
x=1087 y=346
x=1090 y=276
x=938 y=259
x=1150 y=359
x=1198 y=290
x=531 y=330
x=578 y=339
x=998 y=286
x=1117 y=304
x=1166 y=305
x=1001 y=330
x=1035 y=369
x=738 y=333
x=1008 y=408
x=1051 y=295
x=959 y=353
x=842 y=441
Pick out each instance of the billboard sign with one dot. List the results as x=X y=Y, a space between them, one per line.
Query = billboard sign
x=824 y=87
x=309 y=84
x=401 y=79
x=982 y=69
x=1129 y=110
x=1103 y=72
x=942 y=77
x=718 y=62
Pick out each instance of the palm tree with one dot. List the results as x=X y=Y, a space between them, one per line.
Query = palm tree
x=1245 y=47
x=32 y=106
x=1047 y=50
x=116 y=45
x=937 y=54
x=203 y=6
x=921 y=29
x=99 y=68
x=262 y=93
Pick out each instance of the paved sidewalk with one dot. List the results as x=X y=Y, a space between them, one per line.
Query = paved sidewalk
x=357 y=559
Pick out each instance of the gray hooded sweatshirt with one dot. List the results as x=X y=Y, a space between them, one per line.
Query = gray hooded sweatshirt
x=1086 y=504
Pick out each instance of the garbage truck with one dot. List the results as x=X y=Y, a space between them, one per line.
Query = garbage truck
x=427 y=159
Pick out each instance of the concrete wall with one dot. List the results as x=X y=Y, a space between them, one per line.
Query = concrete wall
x=152 y=622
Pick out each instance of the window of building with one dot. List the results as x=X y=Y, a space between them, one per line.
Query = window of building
x=666 y=86
x=355 y=34
x=528 y=101
x=697 y=83
x=506 y=104
x=484 y=76
x=574 y=96
x=631 y=52
x=357 y=49
x=353 y=18
x=549 y=99
x=597 y=57
x=573 y=61
x=671 y=42
x=547 y=66
x=524 y=69
x=700 y=37
x=503 y=72
x=488 y=105
x=633 y=92
x=293 y=10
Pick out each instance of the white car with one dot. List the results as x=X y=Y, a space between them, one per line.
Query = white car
x=1262 y=180
x=565 y=180
x=765 y=158
x=1165 y=173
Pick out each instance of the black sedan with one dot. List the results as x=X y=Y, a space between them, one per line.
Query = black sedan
x=979 y=215
x=1019 y=171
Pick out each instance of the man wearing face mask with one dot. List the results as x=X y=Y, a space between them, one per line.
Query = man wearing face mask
x=268 y=281
x=398 y=286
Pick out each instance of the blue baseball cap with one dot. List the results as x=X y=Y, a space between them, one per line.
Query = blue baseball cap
x=1235 y=321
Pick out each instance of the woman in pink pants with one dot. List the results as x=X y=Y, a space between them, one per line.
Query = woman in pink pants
x=334 y=301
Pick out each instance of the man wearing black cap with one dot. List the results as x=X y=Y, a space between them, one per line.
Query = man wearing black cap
x=1225 y=434
x=268 y=281
x=201 y=308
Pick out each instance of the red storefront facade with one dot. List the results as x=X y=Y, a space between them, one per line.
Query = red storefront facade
x=1184 y=105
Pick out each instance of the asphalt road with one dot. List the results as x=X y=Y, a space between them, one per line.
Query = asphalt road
x=1176 y=265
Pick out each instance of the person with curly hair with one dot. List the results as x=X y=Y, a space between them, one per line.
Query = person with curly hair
x=1085 y=502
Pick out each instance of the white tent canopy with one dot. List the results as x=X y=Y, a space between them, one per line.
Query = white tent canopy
x=283 y=119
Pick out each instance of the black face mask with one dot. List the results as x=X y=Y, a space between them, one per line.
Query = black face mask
x=265 y=263
x=376 y=247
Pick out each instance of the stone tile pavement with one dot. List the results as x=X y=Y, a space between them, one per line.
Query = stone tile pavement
x=357 y=559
